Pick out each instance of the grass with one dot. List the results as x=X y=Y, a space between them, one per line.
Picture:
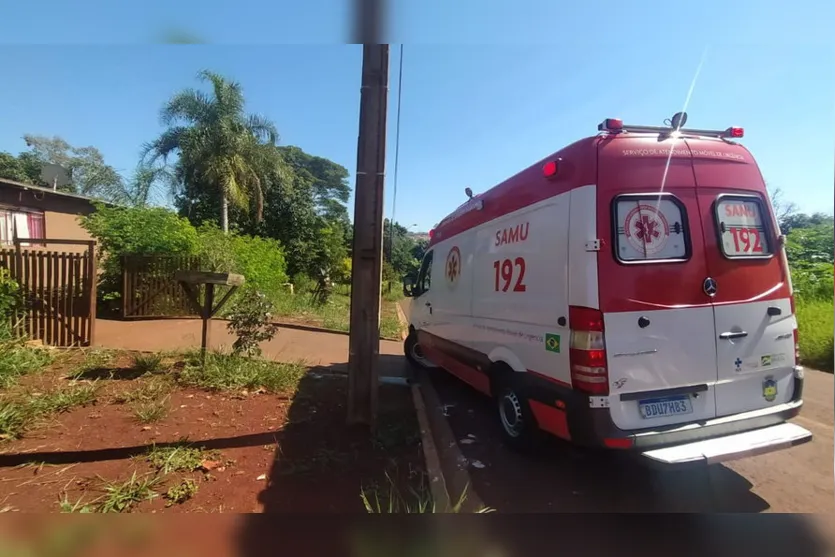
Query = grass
x=18 y=415
x=17 y=359
x=816 y=320
x=181 y=457
x=151 y=411
x=147 y=363
x=223 y=372
x=336 y=313
x=121 y=496
x=146 y=391
x=67 y=506
x=419 y=500
x=94 y=361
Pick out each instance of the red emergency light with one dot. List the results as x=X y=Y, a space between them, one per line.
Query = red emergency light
x=735 y=132
x=611 y=125
x=431 y=233
x=549 y=169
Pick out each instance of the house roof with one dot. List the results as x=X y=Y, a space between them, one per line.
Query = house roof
x=24 y=186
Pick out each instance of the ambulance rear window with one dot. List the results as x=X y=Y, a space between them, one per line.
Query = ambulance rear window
x=741 y=223
x=650 y=229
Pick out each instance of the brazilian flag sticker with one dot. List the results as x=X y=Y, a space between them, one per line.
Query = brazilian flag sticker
x=552 y=342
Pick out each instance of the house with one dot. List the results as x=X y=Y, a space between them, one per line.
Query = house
x=28 y=211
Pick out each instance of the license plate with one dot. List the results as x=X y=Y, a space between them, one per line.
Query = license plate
x=665 y=407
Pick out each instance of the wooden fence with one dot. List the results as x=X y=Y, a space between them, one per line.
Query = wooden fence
x=59 y=293
x=149 y=289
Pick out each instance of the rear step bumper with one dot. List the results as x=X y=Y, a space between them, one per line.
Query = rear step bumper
x=732 y=447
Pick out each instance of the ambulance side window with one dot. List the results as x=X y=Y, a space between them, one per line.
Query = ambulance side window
x=650 y=228
x=741 y=225
x=425 y=275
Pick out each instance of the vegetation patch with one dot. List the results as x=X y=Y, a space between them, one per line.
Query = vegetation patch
x=224 y=372
x=180 y=493
x=28 y=409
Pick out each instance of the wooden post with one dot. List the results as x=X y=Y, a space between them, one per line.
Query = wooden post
x=93 y=289
x=364 y=342
x=124 y=286
x=206 y=315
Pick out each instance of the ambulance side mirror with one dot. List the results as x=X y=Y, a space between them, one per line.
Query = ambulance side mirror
x=408 y=286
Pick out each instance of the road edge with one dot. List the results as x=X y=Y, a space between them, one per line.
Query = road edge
x=445 y=452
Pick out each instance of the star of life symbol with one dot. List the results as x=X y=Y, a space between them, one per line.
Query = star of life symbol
x=453 y=266
x=738 y=364
x=647 y=229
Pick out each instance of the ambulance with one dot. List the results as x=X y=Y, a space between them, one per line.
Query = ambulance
x=629 y=292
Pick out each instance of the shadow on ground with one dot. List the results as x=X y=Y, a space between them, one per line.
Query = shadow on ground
x=563 y=478
x=321 y=464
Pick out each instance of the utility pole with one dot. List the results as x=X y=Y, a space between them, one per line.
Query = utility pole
x=366 y=268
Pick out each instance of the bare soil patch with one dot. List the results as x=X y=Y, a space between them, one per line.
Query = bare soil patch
x=157 y=441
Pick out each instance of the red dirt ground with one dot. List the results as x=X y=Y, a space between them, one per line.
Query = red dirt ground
x=308 y=459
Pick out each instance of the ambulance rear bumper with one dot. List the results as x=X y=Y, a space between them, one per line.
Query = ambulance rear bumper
x=649 y=442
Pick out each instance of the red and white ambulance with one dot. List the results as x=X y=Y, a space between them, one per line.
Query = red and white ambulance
x=630 y=291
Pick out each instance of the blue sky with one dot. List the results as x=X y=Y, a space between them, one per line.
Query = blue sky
x=472 y=114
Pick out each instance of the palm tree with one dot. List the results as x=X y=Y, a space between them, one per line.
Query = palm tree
x=219 y=146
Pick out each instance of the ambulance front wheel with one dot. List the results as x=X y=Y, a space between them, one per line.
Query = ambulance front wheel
x=414 y=353
x=518 y=424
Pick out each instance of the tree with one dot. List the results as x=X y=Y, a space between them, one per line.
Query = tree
x=783 y=209
x=329 y=182
x=11 y=168
x=218 y=145
x=398 y=248
x=89 y=174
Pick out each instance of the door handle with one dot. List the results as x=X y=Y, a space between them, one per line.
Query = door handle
x=733 y=335
x=428 y=304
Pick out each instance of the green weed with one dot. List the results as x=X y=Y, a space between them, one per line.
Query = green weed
x=67 y=506
x=121 y=496
x=17 y=359
x=181 y=492
x=816 y=320
x=420 y=500
x=147 y=363
x=147 y=412
x=146 y=391
x=231 y=372
x=181 y=457
x=17 y=416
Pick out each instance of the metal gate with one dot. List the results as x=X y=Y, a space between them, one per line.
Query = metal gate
x=149 y=289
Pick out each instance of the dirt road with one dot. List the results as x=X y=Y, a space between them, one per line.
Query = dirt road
x=290 y=344
x=565 y=479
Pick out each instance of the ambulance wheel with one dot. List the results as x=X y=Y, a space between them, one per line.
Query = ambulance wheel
x=516 y=421
x=414 y=353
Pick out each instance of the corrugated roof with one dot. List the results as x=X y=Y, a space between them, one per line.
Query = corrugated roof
x=22 y=185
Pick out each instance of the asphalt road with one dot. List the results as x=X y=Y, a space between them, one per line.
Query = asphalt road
x=562 y=478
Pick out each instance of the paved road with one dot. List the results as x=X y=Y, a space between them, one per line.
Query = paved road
x=566 y=479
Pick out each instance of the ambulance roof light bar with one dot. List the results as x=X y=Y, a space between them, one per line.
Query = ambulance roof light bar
x=616 y=125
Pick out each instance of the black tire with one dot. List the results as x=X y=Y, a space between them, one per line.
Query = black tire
x=413 y=352
x=517 y=423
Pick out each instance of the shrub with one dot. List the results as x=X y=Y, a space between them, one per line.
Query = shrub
x=251 y=321
x=260 y=260
x=816 y=320
x=135 y=230
x=10 y=297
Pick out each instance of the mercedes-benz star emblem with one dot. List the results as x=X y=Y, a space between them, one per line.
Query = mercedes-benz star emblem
x=709 y=286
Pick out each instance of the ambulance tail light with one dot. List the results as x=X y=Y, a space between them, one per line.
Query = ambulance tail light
x=796 y=346
x=587 y=351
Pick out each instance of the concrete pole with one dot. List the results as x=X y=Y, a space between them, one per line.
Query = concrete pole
x=364 y=343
